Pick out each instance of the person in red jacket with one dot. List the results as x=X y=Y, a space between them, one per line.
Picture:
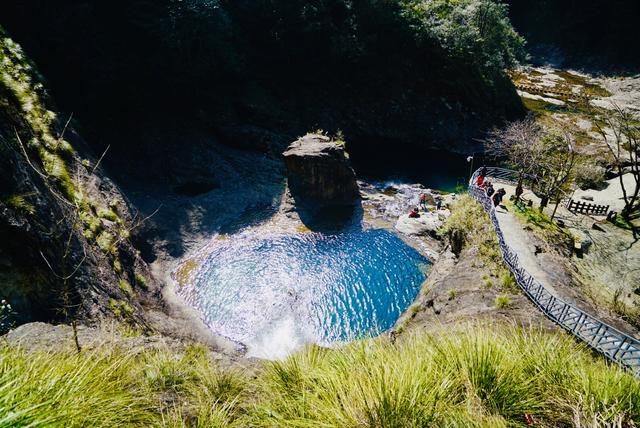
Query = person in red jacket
x=480 y=180
x=414 y=213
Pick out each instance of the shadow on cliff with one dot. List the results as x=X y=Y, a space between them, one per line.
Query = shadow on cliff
x=329 y=219
x=238 y=188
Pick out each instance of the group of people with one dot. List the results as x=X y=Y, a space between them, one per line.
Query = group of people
x=415 y=212
x=496 y=195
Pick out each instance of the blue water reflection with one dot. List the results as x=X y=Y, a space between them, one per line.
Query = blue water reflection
x=279 y=292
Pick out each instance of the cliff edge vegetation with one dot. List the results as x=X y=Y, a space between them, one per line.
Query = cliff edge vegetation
x=476 y=376
x=65 y=252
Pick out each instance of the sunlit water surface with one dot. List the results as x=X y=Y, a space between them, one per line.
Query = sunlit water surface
x=276 y=293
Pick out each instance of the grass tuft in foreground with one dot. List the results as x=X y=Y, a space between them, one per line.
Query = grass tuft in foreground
x=479 y=376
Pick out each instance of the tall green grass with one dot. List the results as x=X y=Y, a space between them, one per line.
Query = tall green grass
x=477 y=376
x=483 y=377
x=115 y=388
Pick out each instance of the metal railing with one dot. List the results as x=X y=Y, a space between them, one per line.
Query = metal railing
x=607 y=340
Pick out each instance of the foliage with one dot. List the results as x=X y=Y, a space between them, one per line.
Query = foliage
x=19 y=80
x=106 y=242
x=479 y=30
x=469 y=218
x=125 y=287
x=6 y=316
x=141 y=281
x=479 y=377
x=121 y=309
x=503 y=302
x=20 y=203
x=508 y=281
x=114 y=387
x=484 y=376
x=235 y=60
x=108 y=214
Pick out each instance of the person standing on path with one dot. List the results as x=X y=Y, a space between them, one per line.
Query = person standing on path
x=498 y=196
x=519 y=192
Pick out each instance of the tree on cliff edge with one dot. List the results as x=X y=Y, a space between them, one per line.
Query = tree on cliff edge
x=623 y=142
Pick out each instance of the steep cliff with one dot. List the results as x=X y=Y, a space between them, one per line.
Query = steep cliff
x=65 y=251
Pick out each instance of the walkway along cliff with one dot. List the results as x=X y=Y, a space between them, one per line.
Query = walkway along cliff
x=605 y=339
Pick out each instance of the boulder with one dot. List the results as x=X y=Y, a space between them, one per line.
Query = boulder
x=426 y=224
x=319 y=172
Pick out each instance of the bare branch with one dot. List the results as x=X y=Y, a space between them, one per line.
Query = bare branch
x=65 y=128
x=101 y=157
x=65 y=277
x=137 y=224
x=26 y=156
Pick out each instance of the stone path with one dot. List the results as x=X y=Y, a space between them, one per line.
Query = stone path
x=517 y=238
x=521 y=242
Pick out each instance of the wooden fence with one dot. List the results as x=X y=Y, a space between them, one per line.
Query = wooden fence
x=587 y=208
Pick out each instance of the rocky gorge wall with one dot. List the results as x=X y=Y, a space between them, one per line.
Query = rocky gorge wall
x=65 y=228
x=379 y=71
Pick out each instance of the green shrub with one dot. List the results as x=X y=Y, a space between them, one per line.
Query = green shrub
x=20 y=203
x=141 y=281
x=65 y=148
x=452 y=294
x=117 y=265
x=109 y=215
x=113 y=204
x=121 y=309
x=508 y=281
x=106 y=243
x=92 y=226
x=125 y=287
x=56 y=168
x=468 y=218
x=124 y=233
x=503 y=302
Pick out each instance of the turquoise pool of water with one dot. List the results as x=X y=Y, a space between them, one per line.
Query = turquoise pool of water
x=276 y=293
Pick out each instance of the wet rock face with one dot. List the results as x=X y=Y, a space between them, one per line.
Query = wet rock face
x=319 y=172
